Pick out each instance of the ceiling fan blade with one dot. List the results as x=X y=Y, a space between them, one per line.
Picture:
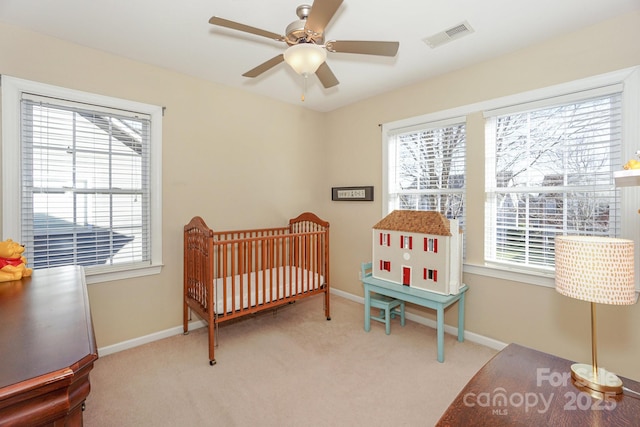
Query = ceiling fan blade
x=326 y=76
x=363 y=47
x=265 y=66
x=321 y=13
x=247 y=29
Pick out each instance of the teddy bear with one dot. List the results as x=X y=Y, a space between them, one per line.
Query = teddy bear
x=13 y=265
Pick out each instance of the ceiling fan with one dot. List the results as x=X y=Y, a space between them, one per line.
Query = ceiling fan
x=307 y=49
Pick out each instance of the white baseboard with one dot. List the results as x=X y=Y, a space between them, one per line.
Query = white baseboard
x=471 y=336
x=125 y=345
x=146 y=339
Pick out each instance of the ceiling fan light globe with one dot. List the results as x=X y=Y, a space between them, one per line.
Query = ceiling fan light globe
x=305 y=58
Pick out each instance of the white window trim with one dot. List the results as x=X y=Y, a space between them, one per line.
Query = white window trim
x=12 y=89
x=629 y=77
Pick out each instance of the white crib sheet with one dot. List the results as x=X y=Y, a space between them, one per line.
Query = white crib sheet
x=278 y=284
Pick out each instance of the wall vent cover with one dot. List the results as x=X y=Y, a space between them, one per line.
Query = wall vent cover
x=449 y=34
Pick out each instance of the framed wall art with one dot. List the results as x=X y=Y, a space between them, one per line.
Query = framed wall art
x=357 y=194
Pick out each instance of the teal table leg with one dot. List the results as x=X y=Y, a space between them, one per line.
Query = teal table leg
x=367 y=308
x=440 y=333
x=461 y=318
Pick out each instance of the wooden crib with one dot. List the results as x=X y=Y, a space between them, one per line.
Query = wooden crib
x=229 y=274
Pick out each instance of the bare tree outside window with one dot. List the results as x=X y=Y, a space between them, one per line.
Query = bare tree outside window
x=553 y=175
x=430 y=170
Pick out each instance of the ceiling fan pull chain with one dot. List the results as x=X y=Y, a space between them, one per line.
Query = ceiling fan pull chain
x=304 y=88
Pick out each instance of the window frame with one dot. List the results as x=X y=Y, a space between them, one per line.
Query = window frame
x=12 y=89
x=630 y=198
x=436 y=121
x=493 y=191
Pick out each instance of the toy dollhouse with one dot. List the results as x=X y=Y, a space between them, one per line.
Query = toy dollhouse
x=421 y=249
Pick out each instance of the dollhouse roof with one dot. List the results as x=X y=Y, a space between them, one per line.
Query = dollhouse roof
x=424 y=222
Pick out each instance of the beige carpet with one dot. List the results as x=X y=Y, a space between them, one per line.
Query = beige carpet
x=286 y=368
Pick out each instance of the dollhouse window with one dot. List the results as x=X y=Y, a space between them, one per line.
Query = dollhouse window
x=406 y=242
x=385 y=239
x=430 y=245
x=429 y=274
x=385 y=265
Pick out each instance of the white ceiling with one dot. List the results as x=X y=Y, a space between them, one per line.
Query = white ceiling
x=176 y=35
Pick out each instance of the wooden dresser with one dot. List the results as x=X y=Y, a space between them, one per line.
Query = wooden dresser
x=47 y=348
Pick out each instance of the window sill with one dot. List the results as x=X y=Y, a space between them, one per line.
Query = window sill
x=539 y=279
x=125 y=273
x=514 y=275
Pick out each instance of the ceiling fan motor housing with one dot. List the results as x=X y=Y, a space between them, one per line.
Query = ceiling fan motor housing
x=296 y=32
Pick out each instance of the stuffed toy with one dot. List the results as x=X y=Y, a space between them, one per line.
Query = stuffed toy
x=13 y=266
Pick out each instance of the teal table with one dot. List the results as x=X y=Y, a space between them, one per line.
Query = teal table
x=421 y=297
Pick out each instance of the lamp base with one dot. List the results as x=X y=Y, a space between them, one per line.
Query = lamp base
x=603 y=382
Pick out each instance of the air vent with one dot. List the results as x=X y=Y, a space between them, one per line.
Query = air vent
x=447 y=35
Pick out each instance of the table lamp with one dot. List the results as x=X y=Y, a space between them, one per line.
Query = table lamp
x=598 y=270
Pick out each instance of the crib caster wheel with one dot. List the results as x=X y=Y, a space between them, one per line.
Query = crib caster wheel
x=212 y=362
x=185 y=333
x=329 y=318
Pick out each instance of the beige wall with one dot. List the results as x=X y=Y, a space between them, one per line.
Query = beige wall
x=531 y=315
x=240 y=160
x=235 y=159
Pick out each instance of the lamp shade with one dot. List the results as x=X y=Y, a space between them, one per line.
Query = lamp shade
x=595 y=269
x=305 y=58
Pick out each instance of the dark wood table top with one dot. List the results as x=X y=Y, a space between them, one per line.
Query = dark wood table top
x=45 y=325
x=525 y=387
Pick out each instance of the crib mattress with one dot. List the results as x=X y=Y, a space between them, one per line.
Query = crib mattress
x=266 y=286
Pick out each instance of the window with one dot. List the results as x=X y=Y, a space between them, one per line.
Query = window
x=425 y=167
x=87 y=170
x=429 y=274
x=549 y=172
x=536 y=205
x=430 y=244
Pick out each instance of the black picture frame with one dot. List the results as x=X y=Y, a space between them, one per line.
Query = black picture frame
x=352 y=194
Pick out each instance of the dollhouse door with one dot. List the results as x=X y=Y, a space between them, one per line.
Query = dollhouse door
x=406 y=276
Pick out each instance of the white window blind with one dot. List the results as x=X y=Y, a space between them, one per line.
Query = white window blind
x=85 y=184
x=426 y=168
x=549 y=171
